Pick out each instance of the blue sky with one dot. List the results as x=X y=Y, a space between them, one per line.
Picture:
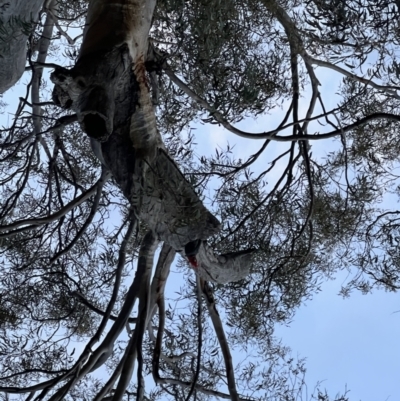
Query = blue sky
x=351 y=342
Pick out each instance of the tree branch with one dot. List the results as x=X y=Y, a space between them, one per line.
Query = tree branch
x=392 y=91
x=223 y=342
x=105 y=175
x=134 y=349
x=93 y=308
x=200 y=336
x=34 y=223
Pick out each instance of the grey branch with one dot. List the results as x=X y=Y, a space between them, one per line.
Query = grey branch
x=223 y=342
x=139 y=289
x=29 y=224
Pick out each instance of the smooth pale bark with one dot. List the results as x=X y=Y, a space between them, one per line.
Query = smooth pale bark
x=14 y=17
x=109 y=90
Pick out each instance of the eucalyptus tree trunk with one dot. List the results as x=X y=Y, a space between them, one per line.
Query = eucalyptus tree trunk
x=17 y=18
x=109 y=90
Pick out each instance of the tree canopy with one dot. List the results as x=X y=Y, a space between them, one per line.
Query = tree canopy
x=102 y=183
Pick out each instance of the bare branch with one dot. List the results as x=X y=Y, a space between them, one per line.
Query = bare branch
x=60 y=30
x=390 y=90
x=97 y=310
x=223 y=342
x=88 y=363
x=105 y=175
x=200 y=336
x=272 y=135
x=161 y=274
x=126 y=364
x=134 y=349
x=34 y=223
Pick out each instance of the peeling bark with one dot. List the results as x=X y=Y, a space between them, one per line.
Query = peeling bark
x=16 y=17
